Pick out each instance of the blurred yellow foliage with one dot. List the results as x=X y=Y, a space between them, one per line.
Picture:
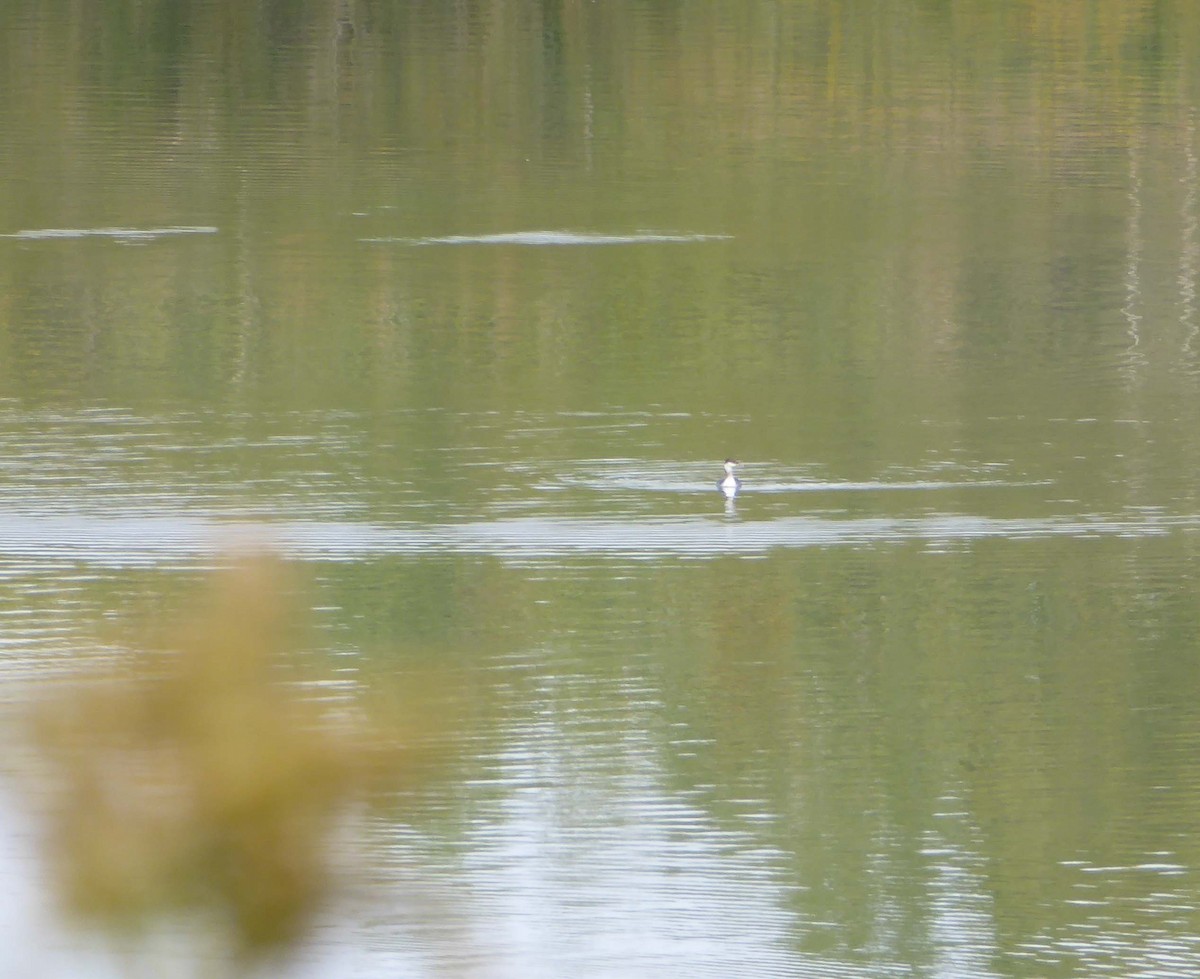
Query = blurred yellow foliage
x=201 y=778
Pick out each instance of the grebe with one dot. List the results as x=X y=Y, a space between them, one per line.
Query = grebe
x=730 y=484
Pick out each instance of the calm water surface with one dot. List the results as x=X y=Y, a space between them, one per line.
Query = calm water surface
x=461 y=307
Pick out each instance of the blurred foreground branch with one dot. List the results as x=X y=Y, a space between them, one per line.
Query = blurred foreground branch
x=198 y=779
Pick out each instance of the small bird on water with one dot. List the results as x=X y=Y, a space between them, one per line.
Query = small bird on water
x=730 y=484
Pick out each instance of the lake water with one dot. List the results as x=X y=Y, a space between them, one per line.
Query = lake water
x=460 y=307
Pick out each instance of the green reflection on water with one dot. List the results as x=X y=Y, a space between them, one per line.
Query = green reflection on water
x=957 y=242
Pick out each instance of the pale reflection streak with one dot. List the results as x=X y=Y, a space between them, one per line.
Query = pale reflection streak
x=119 y=234
x=133 y=541
x=568 y=805
x=544 y=238
x=1135 y=359
x=962 y=913
x=1189 y=250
